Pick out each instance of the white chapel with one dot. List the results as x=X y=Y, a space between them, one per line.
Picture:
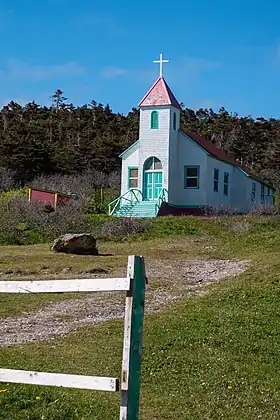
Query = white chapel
x=172 y=171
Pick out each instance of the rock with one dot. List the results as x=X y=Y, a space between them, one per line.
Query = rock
x=76 y=243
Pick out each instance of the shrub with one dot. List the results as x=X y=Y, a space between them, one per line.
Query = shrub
x=265 y=210
x=7 y=179
x=14 y=193
x=222 y=210
x=22 y=222
x=92 y=188
x=122 y=227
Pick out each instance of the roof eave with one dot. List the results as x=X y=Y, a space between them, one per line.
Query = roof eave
x=128 y=149
x=145 y=96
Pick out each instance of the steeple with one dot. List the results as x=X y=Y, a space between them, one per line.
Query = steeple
x=160 y=93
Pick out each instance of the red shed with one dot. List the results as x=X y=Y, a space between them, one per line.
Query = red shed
x=46 y=196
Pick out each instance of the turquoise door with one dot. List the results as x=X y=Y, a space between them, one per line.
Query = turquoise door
x=157 y=184
x=152 y=185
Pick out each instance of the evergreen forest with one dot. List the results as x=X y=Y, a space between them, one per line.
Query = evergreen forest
x=63 y=139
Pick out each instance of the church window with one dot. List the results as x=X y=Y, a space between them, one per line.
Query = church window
x=132 y=177
x=226 y=176
x=253 y=195
x=174 y=121
x=191 y=178
x=262 y=193
x=216 y=180
x=154 y=119
x=152 y=164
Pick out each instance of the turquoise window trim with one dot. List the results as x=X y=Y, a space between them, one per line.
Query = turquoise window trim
x=226 y=179
x=174 y=121
x=154 y=120
x=262 y=193
x=129 y=177
x=186 y=167
x=216 y=180
x=253 y=195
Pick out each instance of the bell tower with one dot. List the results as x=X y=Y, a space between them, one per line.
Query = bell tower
x=158 y=131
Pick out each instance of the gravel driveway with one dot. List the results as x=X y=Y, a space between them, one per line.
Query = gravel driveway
x=168 y=282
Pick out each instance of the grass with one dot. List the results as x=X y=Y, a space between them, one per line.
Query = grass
x=208 y=357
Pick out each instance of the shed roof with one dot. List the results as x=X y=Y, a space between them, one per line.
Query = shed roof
x=50 y=191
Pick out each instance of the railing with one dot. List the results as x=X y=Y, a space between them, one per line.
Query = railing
x=134 y=284
x=162 y=198
x=132 y=196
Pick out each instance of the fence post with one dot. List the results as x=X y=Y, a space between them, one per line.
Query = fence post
x=132 y=345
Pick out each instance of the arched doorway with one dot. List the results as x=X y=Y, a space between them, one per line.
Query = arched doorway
x=152 y=178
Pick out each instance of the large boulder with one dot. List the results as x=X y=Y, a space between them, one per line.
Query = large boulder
x=76 y=243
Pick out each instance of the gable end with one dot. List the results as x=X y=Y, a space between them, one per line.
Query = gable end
x=129 y=149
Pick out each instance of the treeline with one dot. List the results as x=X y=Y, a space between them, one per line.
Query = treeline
x=64 y=139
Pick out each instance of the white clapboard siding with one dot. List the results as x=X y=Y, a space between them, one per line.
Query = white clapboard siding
x=64 y=286
x=59 y=379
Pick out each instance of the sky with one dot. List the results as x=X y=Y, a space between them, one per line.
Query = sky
x=221 y=53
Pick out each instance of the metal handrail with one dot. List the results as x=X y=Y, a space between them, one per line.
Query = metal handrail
x=131 y=193
x=162 y=198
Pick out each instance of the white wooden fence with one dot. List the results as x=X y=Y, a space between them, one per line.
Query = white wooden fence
x=129 y=385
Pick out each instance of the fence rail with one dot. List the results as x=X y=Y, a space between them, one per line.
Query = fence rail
x=64 y=286
x=134 y=285
x=98 y=383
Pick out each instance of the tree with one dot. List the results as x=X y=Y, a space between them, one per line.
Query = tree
x=58 y=100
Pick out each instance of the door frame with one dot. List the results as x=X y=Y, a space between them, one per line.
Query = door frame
x=153 y=172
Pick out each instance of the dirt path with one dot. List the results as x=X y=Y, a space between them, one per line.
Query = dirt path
x=167 y=282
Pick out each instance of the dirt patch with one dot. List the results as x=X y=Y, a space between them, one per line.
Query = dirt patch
x=168 y=281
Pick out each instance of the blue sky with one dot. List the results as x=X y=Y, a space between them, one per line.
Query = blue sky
x=221 y=53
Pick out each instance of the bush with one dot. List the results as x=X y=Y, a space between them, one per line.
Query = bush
x=92 y=188
x=22 y=222
x=267 y=210
x=14 y=193
x=222 y=210
x=122 y=227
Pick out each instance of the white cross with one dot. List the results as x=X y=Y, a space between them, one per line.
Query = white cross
x=161 y=61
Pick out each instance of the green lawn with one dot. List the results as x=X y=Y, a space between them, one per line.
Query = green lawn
x=207 y=357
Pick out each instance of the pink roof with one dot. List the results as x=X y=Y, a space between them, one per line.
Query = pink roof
x=160 y=94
